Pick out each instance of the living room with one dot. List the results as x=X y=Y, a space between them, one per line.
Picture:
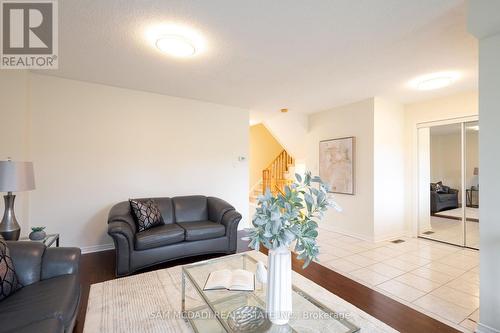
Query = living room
x=155 y=101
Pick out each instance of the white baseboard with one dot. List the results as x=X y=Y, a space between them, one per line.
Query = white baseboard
x=381 y=238
x=391 y=236
x=97 y=248
x=347 y=233
x=481 y=328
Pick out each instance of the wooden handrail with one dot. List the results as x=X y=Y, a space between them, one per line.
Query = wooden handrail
x=274 y=177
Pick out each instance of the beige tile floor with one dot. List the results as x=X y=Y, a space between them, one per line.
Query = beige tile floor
x=438 y=279
x=451 y=231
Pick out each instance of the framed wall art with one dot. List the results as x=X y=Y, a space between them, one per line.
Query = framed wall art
x=336 y=164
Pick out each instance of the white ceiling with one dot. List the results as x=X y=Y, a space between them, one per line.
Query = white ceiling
x=265 y=55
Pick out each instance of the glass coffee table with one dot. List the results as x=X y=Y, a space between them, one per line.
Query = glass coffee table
x=212 y=310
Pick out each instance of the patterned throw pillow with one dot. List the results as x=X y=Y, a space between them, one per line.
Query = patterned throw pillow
x=8 y=278
x=147 y=214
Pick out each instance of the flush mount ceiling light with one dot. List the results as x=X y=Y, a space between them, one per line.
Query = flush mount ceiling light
x=176 y=46
x=284 y=110
x=434 y=80
x=176 y=40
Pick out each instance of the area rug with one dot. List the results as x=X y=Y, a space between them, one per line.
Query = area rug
x=151 y=302
x=471 y=213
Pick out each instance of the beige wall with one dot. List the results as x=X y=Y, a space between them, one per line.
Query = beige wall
x=289 y=129
x=263 y=150
x=357 y=120
x=445 y=151
x=14 y=119
x=375 y=212
x=95 y=145
x=446 y=159
x=471 y=158
x=388 y=171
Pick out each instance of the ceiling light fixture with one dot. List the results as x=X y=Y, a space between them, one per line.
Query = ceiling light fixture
x=284 y=110
x=434 y=80
x=176 y=46
x=176 y=40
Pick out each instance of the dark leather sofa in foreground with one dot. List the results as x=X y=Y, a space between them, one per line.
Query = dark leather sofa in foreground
x=49 y=299
x=193 y=225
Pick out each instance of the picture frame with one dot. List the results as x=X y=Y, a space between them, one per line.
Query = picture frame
x=337 y=164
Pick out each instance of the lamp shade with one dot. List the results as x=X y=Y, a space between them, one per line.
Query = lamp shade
x=16 y=176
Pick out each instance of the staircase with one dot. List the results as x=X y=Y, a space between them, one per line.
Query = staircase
x=255 y=192
x=275 y=177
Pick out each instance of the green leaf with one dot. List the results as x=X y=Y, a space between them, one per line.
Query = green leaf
x=298 y=177
x=306 y=262
x=281 y=219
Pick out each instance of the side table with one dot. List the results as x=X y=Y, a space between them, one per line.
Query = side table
x=472 y=199
x=48 y=241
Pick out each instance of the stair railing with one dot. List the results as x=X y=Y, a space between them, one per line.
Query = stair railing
x=275 y=176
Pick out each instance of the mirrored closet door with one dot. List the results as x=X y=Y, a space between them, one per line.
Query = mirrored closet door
x=448 y=182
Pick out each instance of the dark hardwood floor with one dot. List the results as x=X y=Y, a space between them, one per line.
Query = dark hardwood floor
x=100 y=266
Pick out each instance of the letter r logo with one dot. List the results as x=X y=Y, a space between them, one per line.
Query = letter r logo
x=27 y=28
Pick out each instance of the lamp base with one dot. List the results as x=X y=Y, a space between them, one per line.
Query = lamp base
x=9 y=228
x=11 y=235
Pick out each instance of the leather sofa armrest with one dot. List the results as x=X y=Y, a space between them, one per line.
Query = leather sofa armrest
x=123 y=213
x=217 y=208
x=231 y=220
x=121 y=228
x=60 y=261
x=123 y=237
x=27 y=259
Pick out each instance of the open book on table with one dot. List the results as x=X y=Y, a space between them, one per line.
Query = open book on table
x=238 y=279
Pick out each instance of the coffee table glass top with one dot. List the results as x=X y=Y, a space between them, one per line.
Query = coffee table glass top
x=210 y=310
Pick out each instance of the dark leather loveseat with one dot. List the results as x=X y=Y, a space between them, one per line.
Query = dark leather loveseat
x=49 y=299
x=443 y=197
x=193 y=225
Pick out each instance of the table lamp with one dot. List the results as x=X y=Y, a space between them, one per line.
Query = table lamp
x=14 y=177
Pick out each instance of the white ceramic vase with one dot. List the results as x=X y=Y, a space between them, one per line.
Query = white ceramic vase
x=279 y=285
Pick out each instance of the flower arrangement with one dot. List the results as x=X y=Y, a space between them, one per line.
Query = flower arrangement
x=292 y=216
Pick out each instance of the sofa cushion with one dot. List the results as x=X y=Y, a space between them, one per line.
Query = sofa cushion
x=159 y=236
x=57 y=298
x=147 y=214
x=27 y=258
x=447 y=197
x=9 y=282
x=202 y=230
x=190 y=208
x=166 y=208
